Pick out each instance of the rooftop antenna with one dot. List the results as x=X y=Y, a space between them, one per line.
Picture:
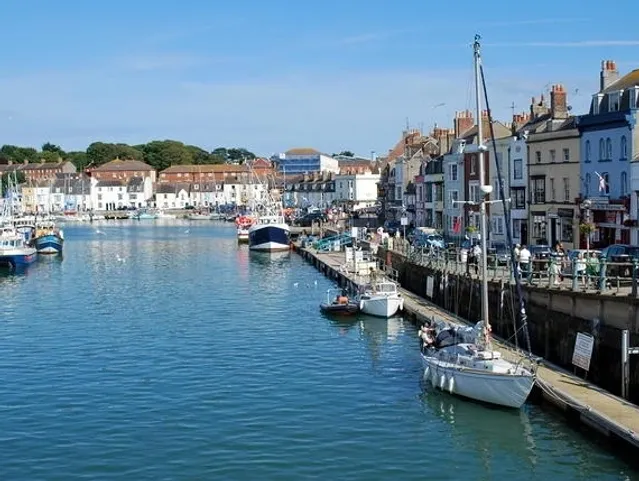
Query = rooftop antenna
x=407 y=125
x=512 y=108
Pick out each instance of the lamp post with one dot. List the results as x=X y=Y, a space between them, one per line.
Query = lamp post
x=586 y=204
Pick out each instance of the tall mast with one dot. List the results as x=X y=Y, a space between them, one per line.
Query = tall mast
x=483 y=189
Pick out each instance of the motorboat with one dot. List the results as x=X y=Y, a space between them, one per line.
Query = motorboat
x=14 y=250
x=339 y=304
x=381 y=299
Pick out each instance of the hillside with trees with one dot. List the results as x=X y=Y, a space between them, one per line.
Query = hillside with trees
x=160 y=154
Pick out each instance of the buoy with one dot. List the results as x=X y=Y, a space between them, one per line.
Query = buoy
x=442 y=381
x=451 y=384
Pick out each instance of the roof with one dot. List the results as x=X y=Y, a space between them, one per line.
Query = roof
x=118 y=165
x=44 y=165
x=204 y=168
x=110 y=183
x=302 y=151
x=629 y=80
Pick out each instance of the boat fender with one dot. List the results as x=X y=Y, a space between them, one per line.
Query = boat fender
x=426 y=372
x=361 y=305
x=451 y=384
x=433 y=378
x=401 y=305
x=442 y=381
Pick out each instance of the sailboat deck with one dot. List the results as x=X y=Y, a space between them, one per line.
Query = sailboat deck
x=594 y=407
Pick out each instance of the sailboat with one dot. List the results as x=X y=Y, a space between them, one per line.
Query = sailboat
x=462 y=361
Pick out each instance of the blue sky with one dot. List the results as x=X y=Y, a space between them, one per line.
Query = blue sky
x=271 y=75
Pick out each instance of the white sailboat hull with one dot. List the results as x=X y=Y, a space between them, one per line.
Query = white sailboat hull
x=502 y=389
x=381 y=306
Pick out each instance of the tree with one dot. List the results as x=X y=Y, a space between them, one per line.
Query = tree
x=79 y=159
x=347 y=153
x=50 y=156
x=161 y=154
x=99 y=153
x=49 y=147
x=18 y=155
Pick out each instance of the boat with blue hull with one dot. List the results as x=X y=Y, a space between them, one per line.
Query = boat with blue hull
x=269 y=233
x=49 y=244
x=43 y=234
x=14 y=252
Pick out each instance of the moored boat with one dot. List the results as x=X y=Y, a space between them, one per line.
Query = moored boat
x=14 y=251
x=381 y=299
x=243 y=224
x=269 y=233
x=48 y=239
x=340 y=304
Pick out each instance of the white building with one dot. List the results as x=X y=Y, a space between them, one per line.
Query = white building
x=305 y=161
x=498 y=234
x=360 y=190
x=317 y=190
x=118 y=194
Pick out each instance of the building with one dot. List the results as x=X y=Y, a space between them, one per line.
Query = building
x=609 y=149
x=71 y=192
x=311 y=190
x=209 y=172
x=356 y=190
x=122 y=170
x=305 y=160
x=116 y=194
x=517 y=175
x=174 y=195
x=36 y=197
x=46 y=171
x=430 y=194
x=501 y=168
x=553 y=150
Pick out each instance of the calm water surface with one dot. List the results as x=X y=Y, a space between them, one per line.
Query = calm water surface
x=166 y=352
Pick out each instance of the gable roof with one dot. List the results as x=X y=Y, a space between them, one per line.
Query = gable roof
x=119 y=165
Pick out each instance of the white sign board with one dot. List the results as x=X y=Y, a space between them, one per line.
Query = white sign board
x=583 y=350
x=429 y=286
x=404 y=220
x=354 y=232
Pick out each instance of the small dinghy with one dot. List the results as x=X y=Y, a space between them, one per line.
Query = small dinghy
x=339 y=304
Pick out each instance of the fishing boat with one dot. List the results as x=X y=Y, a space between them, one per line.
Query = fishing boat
x=14 y=251
x=462 y=361
x=381 y=299
x=144 y=214
x=270 y=232
x=47 y=237
x=339 y=304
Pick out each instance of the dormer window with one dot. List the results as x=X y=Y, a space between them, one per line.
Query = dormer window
x=613 y=101
x=596 y=103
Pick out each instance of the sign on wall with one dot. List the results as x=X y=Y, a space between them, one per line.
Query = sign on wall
x=583 y=350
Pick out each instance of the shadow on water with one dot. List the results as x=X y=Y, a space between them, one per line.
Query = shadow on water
x=270 y=258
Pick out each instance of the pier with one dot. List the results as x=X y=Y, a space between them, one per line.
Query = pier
x=581 y=401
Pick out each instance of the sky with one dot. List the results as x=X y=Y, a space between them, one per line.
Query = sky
x=273 y=75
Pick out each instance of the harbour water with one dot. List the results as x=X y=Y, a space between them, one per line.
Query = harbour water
x=165 y=351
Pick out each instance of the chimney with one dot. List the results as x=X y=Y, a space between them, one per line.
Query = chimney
x=609 y=74
x=462 y=122
x=558 y=103
x=538 y=108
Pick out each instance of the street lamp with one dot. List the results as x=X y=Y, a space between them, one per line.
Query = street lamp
x=586 y=204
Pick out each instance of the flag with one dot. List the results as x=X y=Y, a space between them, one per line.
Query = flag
x=457 y=225
x=602 y=182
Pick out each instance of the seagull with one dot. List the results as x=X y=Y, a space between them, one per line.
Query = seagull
x=296 y=284
x=315 y=283
x=99 y=232
x=187 y=231
x=120 y=259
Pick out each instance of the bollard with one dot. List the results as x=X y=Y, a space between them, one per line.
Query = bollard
x=551 y=269
x=575 y=277
x=634 y=278
x=601 y=285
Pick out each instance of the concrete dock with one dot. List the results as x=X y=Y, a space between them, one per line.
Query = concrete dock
x=580 y=401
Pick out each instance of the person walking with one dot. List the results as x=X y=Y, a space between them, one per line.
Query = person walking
x=524 y=262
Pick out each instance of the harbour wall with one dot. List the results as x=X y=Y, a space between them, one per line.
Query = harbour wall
x=554 y=317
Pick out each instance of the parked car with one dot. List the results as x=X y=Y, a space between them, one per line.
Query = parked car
x=308 y=219
x=620 y=254
x=540 y=255
x=498 y=254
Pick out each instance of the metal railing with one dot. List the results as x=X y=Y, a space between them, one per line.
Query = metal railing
x=578 y=275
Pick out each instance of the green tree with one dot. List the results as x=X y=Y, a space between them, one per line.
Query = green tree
x=18 y=154
x=199 y=155
x=99 y=153
x=347 y=153
x=49 y=147
x=79 y=159
x=50 y=156
x=161 y=154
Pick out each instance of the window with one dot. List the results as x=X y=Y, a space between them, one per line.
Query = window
x=539 y=226
x=519 y=198
x=624 y=148
x=566 y=153
x=518 y=169
x=606 y=185
x=538 y=156
x=497 y=189
x=566 y=229
x=517 y=228
x=473 y=164
x=587 y=186
x=553 y=155
x=452 y=172
x=473 y=192
x=552 y=189
x=453 y=196
x=613 y=102
x=498 y=225
x=428 y=192
x=602 y=149
x=539 y=190
x=587 y=150
x=608 y=149
x=624 y=184
x=566 y=189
